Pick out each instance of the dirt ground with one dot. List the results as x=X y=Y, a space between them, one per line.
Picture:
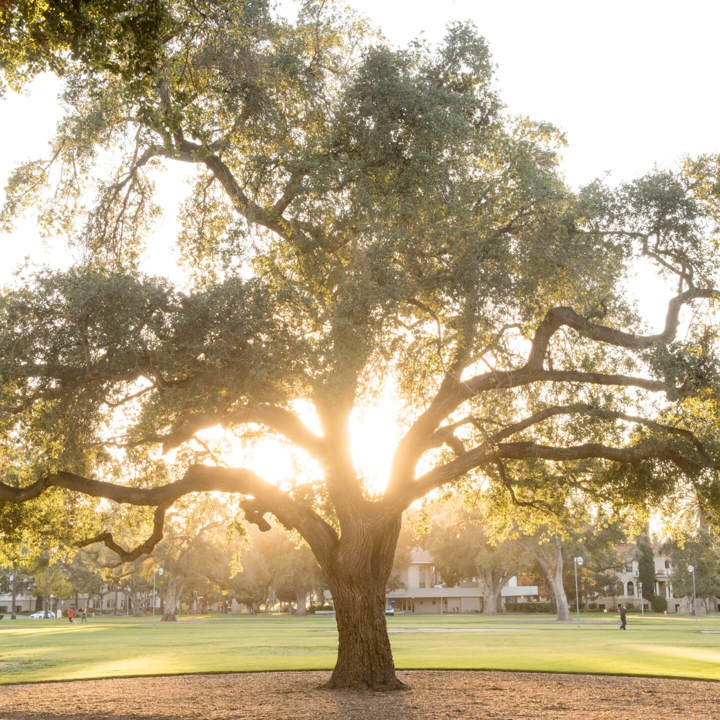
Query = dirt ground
x=432 y=695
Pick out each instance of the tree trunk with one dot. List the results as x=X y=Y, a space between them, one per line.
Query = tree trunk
x=549 y=556
x=490 y=604
x=491 y=584
x=364 y=656
x=171 y=597
x=357 y=577
x=13 y=591
x=554 y=572
x=301 y=602
x=555 y=581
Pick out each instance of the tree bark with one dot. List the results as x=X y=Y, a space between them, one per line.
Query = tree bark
x=171 y=597
x=357 y=575
x=492 y=585
x=549 y=557
x=46 y=597
x=555 y=581
x=13 y=591
x=301 y=602
x=553 y=567
x=364 y=656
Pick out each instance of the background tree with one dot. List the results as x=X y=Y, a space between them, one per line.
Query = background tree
x=84 y=574
x=358 y=212
x=295 y=573
x=645 y=557
x=702 y=551
x=252 y=584
x=598 y=544
x=462 y=550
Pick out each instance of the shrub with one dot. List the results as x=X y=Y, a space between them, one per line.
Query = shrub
x=658 y=603
x=528 y=607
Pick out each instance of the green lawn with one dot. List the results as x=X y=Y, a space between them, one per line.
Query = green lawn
x=39 y=650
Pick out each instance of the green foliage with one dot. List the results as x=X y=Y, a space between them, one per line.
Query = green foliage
x=659 y=604
x=120 y=36
x=462 y=550
x=274 y=564
x=702 y=551
x=646 y=566
x=357 y=212
x=532 y=608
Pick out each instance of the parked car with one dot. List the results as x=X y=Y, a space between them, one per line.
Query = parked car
x=389 y=610
x=40 y=615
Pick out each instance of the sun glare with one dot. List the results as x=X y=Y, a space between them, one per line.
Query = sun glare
x=374 y=432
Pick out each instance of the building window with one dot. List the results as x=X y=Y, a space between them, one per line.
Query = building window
x=667 y=564
x=630 y=588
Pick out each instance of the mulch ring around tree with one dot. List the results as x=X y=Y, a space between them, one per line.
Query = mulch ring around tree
x=297 y=696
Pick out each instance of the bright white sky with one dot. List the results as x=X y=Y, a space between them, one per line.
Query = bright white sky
x=632 y=84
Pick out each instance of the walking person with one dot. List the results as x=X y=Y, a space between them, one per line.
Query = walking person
x=83 y=615
x=623 y=617
x=71 y=613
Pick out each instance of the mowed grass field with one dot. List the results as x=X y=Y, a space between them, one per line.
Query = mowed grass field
x=42 y=650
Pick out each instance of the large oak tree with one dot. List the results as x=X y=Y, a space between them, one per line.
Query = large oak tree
x=359 y=213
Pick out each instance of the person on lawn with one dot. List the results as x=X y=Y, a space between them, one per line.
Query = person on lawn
x=623 y=617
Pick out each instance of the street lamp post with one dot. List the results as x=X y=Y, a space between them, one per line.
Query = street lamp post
x=160 y=572
x=577 y=562
x=642 y=602
x=691 y=568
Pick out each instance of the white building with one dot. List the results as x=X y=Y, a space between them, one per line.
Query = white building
x=630 y=593
x=422 y=591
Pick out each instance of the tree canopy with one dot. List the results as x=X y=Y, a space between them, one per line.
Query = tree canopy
x=358 y=213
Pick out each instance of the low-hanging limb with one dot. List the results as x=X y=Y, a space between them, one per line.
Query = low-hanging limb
x=198 y=478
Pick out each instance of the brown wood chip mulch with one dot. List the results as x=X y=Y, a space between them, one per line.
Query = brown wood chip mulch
x=432 y=695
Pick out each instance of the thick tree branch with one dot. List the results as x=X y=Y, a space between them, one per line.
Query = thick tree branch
x=144 y=548
x=276 y=418
x=453 y=391
x=198 y=478
x=565 y=316
x=485 y=454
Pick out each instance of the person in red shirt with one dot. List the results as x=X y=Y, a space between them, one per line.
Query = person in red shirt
x=71 y=612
